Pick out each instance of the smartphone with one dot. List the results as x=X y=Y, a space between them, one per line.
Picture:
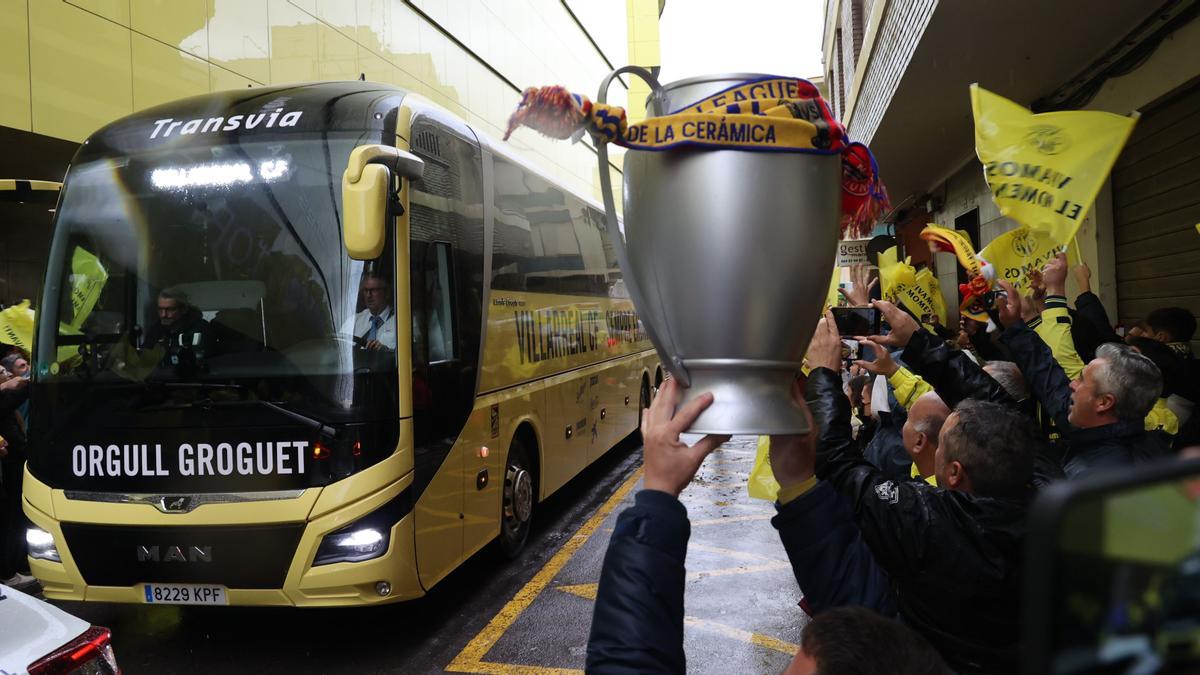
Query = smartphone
x=852 y=321
x=850 y=350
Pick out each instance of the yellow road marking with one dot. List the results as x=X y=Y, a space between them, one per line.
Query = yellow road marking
x=743 y=569
x=517 y=669
x=744 y=635
x=587 y=591
x=693 y=546
x=470 y=659
x=732 y=519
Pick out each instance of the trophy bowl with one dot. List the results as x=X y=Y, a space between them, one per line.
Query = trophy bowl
x=727 y=255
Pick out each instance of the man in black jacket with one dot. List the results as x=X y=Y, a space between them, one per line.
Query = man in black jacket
x=952 y=554
x=1102 y=414
x=637 y=625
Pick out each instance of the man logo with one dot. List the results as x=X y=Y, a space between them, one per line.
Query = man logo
x=174 y=554
x=1024 y=245
x=175 y=504
x=1047 y=139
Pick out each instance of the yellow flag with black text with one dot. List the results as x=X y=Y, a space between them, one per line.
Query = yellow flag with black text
x=1018 y=252
x=927 y=281
x=919 y=291
x=1045 y=170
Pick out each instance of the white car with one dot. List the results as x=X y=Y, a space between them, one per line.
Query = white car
x=40 y=639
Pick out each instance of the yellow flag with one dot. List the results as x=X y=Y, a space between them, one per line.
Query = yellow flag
x=918 y=291
x=833 y=297
x=1016 y=253
x=928 y=283
x=890 y=270
x=762 y=483
x=953 y=241
x=16 y=326
x=1044 y=170
x=88 y=277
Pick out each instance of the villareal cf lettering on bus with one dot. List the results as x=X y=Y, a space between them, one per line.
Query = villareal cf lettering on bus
x=236 y=401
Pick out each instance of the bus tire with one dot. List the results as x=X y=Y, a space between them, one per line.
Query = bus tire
x=516 y=511
x=643 y=402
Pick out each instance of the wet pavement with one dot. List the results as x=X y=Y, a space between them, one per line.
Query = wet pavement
x=498 y=616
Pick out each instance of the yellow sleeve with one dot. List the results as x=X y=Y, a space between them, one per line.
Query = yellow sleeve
x=1054 y=327
x=1161 y=417
x=788 y=494
x=908 y=387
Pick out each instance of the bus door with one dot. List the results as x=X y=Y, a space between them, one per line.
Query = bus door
x=446 y=286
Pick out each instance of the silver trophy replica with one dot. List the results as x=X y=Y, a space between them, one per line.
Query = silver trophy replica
x=727 y=255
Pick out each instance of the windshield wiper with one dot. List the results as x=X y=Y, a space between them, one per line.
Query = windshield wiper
x=207 y=403
x=310 y=422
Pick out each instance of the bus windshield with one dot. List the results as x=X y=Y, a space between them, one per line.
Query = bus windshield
x=214 y=274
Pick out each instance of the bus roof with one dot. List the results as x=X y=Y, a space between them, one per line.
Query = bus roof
x=229 y=115
x=314 y=107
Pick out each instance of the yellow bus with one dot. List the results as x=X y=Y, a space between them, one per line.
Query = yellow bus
x=313 y=345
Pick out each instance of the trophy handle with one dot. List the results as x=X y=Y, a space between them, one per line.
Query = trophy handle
x=665 y=346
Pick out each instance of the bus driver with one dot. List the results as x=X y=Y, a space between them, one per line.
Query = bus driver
x=180 y=324
x=373 y=326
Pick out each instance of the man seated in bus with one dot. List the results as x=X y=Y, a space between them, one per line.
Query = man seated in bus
x=180 y=325
x=374 y=326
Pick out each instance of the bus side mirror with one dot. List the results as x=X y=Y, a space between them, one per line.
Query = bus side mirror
x=365 y=187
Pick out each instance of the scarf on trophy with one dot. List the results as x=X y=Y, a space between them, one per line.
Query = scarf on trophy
x=772 y=114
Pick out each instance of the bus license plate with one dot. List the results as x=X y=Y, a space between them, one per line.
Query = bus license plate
x=185 y=594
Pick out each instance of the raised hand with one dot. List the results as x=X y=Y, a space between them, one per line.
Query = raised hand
x=794 y=457
x=883 y=364
x=902 y=324
x=1083 y=277
x=825 y=350
x=1009 y=306
x=1055 y=275
x=670 y=464
x=860 y=278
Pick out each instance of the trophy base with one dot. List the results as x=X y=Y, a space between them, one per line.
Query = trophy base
x=749 y=397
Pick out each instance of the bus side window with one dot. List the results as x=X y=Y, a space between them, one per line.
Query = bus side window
x=439 y=292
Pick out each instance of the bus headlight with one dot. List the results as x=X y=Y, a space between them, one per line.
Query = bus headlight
x=41 y=545
x=351 y=546
x=366 y=538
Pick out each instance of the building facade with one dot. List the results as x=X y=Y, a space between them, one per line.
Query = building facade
x=68 y=67
x=899 y=71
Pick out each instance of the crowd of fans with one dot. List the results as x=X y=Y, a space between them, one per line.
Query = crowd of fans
x=909 y=498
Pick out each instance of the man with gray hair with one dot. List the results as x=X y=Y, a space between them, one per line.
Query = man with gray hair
x=920 y=433
x=1101 y=414
x=1008 y=374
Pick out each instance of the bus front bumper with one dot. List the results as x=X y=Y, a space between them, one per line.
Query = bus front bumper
x=112 y=538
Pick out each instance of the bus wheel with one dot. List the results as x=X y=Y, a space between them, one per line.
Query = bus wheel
x=519 y=496
x=643 y=402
